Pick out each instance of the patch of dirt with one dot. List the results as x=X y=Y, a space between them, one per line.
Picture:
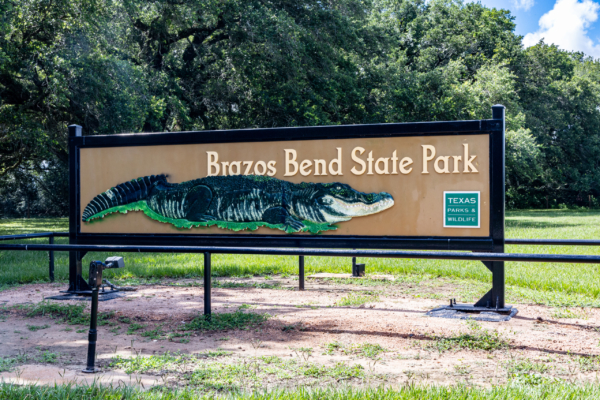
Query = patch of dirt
x=537 y=345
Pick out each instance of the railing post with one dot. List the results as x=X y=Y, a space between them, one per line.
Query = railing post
x=93 y=332
x=300 y=272
x=207 y=305
x=498 y=201
x=74 y=259
x=51 y=259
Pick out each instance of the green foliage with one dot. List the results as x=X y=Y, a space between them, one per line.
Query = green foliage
x=226 y=321
x=9 y=363
x=134 y=327
x=167 y=361
x=131 y=66
x=35 y=328
x=367 y=350
x=71 y=313
x=356 y=299
x=545 y=390
x=477 y=339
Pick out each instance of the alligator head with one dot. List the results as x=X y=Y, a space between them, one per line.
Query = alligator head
x=339 y=202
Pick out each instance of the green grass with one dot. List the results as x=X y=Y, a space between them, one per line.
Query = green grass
x=545 y=391
x=366 y=350
x=35 y=328
x=167 y=361
x=356 y=299
x=226 y=321
x=477 y=338
x=548 y=283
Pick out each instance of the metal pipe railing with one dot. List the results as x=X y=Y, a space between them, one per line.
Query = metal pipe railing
x=554 y=242
x=28 y=236
x=336 y=253
x=432 y=255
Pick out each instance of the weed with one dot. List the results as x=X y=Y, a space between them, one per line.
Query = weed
x=226 y=321
x=303 y=353
x=154 y=334
x=104 y=318
x=134 y=327
x=35 y=328
x=8 y=363
x=48 y=357
x=477 y=339
x=354 y=299
x=570 y=313
x=167 y=362
x=332 y=347
x=462 y=369
x=367 y=350
x=72 y=314
x=589 y=363
x=514 y=367
x=115 y=330
x=170 y=336
x=125 y=320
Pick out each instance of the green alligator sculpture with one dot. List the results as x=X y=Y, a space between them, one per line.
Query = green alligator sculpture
x=239 y=202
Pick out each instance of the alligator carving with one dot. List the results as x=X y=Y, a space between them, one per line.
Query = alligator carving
x=239 y=202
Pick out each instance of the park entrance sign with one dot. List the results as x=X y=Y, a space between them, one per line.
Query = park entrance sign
x=435 y=185
x=384 y=187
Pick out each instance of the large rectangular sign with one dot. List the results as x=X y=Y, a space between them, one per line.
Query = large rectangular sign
x=388 y=186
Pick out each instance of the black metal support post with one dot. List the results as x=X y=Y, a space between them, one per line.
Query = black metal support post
x=74 y=259
x=207 y=305
x=93 y=334
x=95 y=274
x=300 y=272
x=51 y=260
x=497 y=211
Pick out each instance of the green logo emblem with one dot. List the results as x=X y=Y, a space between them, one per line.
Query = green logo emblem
x=461 y=209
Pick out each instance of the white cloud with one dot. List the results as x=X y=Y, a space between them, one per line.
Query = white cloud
x=523 y=4
x=566 y=25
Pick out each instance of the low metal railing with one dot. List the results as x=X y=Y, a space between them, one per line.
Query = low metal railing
x=314 y=252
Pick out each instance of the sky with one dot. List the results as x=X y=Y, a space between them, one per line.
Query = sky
x=570 y=24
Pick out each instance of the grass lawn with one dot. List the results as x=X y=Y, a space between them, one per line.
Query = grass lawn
x=546 y=391
x=560 y=284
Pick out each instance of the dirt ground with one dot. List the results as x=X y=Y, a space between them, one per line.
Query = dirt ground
x=308 y=331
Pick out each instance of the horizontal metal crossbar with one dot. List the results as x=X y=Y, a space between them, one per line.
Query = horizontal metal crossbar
x=554 y=242
x=431 y=255
x=546 y=242
x=32 y=235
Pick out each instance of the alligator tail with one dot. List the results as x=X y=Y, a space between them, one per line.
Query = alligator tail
x=124 y=193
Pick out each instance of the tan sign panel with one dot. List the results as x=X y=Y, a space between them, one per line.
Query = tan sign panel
x=361 y=187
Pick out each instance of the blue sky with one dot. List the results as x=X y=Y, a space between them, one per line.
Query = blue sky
x=571 y=24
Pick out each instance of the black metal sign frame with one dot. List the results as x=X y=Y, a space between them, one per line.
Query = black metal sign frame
x=494 y=242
